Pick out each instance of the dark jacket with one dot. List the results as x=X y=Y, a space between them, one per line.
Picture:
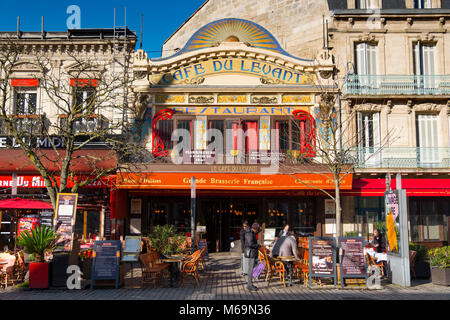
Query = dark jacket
x=242 y=237
x=381 y=244
x=251 y=245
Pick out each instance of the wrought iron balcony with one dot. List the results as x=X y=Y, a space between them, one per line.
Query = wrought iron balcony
x=397 y=84
x=86 y=124
x=28 y=124
x=402 y=157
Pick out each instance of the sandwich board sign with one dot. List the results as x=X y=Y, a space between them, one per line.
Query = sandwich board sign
x=105 y=265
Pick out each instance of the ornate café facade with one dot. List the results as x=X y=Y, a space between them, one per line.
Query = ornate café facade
x=260 y=90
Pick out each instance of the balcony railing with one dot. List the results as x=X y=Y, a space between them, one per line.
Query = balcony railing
x=28 y=124
x=86 y=124
x=397 y=84
x=405 y=157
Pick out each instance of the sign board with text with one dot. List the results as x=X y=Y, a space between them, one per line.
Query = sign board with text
x=131 y=248
x=322 y=258
x=66 y=207
x=353 y=263
x=105 y=265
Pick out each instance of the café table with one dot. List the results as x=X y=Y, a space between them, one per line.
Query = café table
x=289 y=262
x=174 y=268
x=380 y=256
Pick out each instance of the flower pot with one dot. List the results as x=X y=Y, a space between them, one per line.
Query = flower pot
x=440 y=276
x=39 y=275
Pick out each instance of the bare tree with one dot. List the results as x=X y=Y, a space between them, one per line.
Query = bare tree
x=329 y=146
x=85 y=106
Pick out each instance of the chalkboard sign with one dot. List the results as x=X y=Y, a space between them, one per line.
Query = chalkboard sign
x=131 y=249
x=203 y=244
x=353 y=263
x=106 y=261
x=322 y=258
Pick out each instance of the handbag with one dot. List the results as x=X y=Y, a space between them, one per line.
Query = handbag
x=258 y=270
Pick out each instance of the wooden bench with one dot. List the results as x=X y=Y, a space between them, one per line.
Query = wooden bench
x=153 y=270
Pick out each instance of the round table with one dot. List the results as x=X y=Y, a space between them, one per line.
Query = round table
x=289 y=264
x=377 y=255
x=174 y=268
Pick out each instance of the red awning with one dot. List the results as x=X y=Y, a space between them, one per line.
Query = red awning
x=19 y=203
x=415 y=187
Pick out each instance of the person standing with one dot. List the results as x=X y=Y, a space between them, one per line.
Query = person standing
x=284 y=232
x=242 y=237
x=251 y=253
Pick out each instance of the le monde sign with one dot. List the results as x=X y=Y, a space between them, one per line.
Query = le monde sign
x=45 y=142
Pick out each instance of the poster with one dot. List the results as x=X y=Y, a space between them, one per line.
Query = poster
x=27 y=223
x=66 y=206
x=392 y=221
x=322 y=257
x=352 y=259
x=136 y=206
x=47 y=218
x=107 y=224
x=330 y=207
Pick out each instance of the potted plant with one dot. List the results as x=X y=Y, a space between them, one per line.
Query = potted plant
x=440 y=265
x=421 y=265
x=39 y=242
x=166 y=240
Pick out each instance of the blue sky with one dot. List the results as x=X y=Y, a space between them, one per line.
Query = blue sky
x=161 y=18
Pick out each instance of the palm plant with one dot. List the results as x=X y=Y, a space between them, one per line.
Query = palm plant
x=39 y=241
x=166 y=240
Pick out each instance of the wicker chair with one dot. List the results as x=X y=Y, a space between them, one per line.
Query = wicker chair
x=273 y=267
x=190 y=267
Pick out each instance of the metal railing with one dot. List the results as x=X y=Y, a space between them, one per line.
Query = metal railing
x=402 y=157
x=397 y=84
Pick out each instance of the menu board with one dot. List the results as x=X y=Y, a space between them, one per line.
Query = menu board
x=352 y=259
x=131 y=249
x=322 y=258
x=47 y=218
x=202 y=244
x=106 y=261
x=66 y=206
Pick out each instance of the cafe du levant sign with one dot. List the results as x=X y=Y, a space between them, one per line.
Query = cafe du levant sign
x=272 y=73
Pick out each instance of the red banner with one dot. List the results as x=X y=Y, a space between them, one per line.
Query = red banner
x=84 y=82
x=24 y=82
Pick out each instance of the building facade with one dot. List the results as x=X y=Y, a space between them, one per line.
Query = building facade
x=68 y=60
x=241 y=67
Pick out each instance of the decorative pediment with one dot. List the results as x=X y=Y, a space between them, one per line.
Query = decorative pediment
x=242 y=53
x=369 y=107
x=428 y=107
x=87 y=67
x=26 y=66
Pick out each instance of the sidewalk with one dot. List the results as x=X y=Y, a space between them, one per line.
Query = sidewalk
x=222 y=281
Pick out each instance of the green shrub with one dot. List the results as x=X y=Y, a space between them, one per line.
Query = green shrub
x=351 y=234
x=380 y=225
x=421 y=251
x=166 y=240
x=440 y=257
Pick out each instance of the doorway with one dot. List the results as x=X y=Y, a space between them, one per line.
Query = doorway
x=223 y=219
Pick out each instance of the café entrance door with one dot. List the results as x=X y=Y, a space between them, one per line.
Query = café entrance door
x=223 y=219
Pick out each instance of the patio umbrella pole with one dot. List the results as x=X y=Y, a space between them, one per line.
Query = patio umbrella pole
x=193 y=198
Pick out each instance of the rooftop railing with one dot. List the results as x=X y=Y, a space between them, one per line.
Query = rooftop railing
x=397 y=84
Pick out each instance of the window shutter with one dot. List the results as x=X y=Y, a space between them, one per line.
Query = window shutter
x=376 y=130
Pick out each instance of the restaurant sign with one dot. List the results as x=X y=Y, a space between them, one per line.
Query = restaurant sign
x=235 y=111
x=269 y=72
x=353 y=262
x=322 y=258
x=228 y=181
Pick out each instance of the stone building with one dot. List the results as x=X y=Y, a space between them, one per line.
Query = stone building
x=391 y=73
x=78 y=65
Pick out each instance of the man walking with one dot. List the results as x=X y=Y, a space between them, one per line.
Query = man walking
x=242 y=237
x=251 y=254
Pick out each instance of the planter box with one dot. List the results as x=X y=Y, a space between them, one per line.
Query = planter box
x=39 y=275
x=440 y=276
x=58 y=269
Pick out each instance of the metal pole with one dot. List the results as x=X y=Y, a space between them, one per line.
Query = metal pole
x=193 y=200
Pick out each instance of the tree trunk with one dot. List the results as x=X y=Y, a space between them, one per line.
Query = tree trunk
x=338 y=209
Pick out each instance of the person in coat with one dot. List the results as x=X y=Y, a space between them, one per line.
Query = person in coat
x=289 y=246
x=251 y=253
x=244 y=264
